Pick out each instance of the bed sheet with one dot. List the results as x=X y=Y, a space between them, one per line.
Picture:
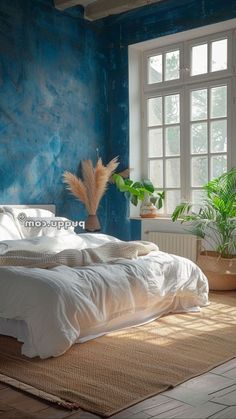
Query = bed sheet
x=62 y=305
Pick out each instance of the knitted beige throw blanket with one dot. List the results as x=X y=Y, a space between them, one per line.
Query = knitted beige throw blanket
x=72 y=257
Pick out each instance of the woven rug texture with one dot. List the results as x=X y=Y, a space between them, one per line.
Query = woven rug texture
x=113 y=372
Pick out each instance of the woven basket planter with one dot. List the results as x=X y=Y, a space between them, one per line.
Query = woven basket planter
x=220 y=272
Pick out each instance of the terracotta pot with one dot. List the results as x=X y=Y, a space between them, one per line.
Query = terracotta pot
x=92 y=223
x=220 y=272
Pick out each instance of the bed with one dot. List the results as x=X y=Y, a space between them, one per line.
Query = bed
x=48 y=310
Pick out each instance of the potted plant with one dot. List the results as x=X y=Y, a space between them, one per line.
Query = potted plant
x=143 y=191
x=215 y=222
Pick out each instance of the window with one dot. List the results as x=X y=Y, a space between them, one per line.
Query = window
x=187 y=98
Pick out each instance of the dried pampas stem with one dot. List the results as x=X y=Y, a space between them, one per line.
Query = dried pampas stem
x=90 y=184
x=91 y=189
x=77 y=188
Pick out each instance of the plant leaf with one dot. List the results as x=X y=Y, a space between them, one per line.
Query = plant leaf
x=134 y=200
x=181 y=210
x=148 y=185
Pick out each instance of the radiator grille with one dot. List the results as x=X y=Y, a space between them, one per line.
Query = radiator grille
x=184 y=245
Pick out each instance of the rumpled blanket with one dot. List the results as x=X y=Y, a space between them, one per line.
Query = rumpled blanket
x=72 y=257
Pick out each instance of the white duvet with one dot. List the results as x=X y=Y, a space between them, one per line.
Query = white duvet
x=62 y=305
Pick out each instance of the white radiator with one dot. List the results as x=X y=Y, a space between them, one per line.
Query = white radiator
x=184 y=245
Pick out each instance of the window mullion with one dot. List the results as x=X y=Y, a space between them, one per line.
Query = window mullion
x=164 y=146
x=231 y=123
x=145 y=139
x=209 y=56
x=184 y=144
x=185 y=128
x=208 y=131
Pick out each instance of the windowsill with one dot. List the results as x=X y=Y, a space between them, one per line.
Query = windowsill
x=151 y=219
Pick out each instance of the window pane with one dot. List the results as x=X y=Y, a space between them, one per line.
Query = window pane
x=198 y=197
x=156 y=173
x=199 y=104
x=155 y=111
x=199 y=59
x=155 y=143
x=219 y=55
x=218 y=136
x=172 y=109
x=218 y=166
x=155 y=69
x=173 y=173
x=219 y=102
x=199 y=171
x=199 y=138
x=172 y=200
x=172 y=65
x=172 y=141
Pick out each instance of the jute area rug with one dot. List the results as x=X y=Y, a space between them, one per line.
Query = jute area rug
x=110 y=373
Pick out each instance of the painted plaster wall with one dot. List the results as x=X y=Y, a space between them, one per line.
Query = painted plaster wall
x=143 y=24
x=64 y=92
x=53 y=102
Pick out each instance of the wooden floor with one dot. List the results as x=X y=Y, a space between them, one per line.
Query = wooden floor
x=211 y=395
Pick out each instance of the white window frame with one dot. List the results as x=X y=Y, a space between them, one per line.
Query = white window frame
x=210 y=75
x=185 y=61
x=184 y=85
x=198 y=86
x=146 y=159
x=164 y=84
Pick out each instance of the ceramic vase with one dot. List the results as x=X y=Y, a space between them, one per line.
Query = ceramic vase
x=148 y=209
x=92 y=223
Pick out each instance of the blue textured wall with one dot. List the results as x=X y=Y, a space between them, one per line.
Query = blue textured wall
x=139 y=25
x=64 y=92
x=53 y=108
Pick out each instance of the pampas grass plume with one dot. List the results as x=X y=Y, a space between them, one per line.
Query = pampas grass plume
x=91 y=188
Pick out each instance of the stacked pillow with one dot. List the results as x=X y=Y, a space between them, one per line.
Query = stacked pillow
x=8 y=228
x=12 y=223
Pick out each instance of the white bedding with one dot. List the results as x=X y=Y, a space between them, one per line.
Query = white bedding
x=14 y=328
x=63 y=305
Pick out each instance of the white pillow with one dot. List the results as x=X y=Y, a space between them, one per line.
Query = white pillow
x=8 y=228
x=46 y=223
x=29 y=212
x=44 y=226
x=51 y=227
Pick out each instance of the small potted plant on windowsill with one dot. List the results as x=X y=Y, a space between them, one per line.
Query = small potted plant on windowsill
x=216 y=224
x=143 y=191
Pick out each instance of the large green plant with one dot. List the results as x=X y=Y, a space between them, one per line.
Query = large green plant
x=216 y=220
x=139 y=191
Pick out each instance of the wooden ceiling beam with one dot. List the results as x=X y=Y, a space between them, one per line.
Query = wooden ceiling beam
x=65 y=4
x=103 y=8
